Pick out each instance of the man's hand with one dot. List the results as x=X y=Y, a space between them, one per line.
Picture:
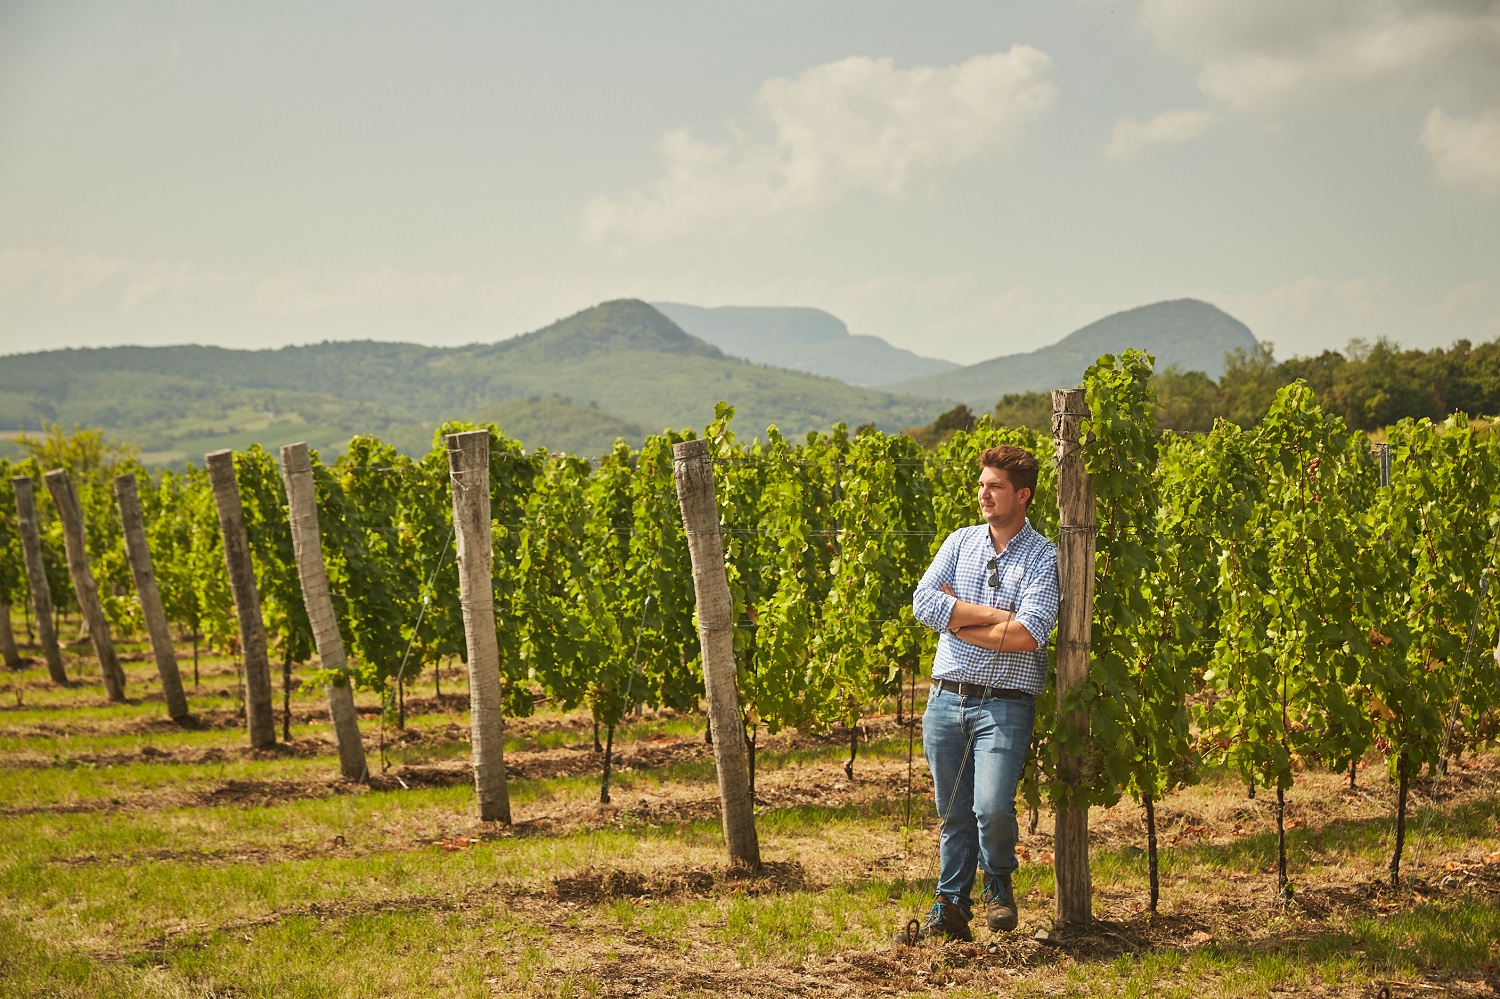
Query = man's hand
x=967 y=615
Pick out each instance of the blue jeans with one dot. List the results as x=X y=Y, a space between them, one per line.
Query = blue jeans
x=975 y=750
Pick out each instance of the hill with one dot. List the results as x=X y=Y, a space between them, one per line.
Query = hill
x=617 y=368
x=808 y=340
x=1187 y=333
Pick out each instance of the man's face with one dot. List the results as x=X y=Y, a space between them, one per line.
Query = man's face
x=1000 y=503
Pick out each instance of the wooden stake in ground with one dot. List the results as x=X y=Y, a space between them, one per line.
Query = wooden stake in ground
x=84 y=588
x=694 y=472
x=144 y=573
x=1075 y=578
x=469 y=469
x=260 y=717
x=8 y=650
x=307 y=542
x=36 y=577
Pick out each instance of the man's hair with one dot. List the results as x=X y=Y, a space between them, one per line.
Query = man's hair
x=1019 y=465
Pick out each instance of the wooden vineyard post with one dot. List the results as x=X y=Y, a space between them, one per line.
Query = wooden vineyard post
x=84 y=588
x=469 y=470
x=36 y=577
x=1075 y=577
x=307 y=542
x=8 y=650
x=694 y=472
x=144 y=573
x=260 y=719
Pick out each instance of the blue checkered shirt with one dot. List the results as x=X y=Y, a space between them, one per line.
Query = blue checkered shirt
x=1028 y=586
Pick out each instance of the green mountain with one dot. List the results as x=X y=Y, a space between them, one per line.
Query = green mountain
x=1187 y=333
x=620 y=368
x=801 y=339
x=559 y=424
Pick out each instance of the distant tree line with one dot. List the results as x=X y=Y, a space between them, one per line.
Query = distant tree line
x=1370 y=385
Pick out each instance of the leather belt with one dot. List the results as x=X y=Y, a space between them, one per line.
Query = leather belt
x=980 y=691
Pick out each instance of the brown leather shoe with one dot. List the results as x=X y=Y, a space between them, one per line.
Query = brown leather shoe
x=943 y=920
x=999 y=903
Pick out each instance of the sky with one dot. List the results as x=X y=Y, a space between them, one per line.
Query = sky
x=964 y=180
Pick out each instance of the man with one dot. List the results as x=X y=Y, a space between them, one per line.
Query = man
x=991 y=594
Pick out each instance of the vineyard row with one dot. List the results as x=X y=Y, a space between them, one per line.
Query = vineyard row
x=1261 y=600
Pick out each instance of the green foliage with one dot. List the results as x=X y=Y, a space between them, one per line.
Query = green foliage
x=1369 y=386
x=884 y=512
x=91 y=461
x=12 y=564
x=1121 y=743
x=1300 y=570
x=1032 y=410
x=371 y=569
x=210 y=576
x=1442 y=527
x=778 y=504
x=958 y=418
x=1259 y=600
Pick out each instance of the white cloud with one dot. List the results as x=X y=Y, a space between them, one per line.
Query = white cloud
x=1464 y=299
x=178 y=286
x=55 y=279
x=1465 y=150
x=1131 y=136
x=858 y=123
x=1269 y=53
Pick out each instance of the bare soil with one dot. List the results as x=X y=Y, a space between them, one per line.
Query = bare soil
x=661 y=785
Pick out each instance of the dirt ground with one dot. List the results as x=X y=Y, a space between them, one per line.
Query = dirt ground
x=661 y=783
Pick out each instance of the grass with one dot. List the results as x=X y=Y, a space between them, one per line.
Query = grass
x=145 y=860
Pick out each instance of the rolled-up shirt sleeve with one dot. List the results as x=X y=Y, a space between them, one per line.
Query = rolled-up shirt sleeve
x=931 y=605
x=1037 y=611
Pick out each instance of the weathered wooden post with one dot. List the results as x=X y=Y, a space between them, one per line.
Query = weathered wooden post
x=70 y=512
x=694 y=473
x=138 y=553
x=8 y=650
x=1075 y=577
x=469 y=470
x=36 y=577
x=302 y=503
x=260 y=719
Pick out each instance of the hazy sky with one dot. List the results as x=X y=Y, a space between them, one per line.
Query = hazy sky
x=964 y=180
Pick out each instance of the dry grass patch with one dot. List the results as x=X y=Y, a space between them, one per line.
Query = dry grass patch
x=143 y=858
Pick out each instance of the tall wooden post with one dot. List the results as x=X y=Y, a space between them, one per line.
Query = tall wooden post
x=302 y=503
x=260 y=719
x=469 y=470
x=36 y=577
x=70 y=512
x=694 y=472
x=1075 y=577
x=138 y=552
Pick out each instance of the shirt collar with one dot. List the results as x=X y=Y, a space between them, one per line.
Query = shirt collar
x=1025 y=538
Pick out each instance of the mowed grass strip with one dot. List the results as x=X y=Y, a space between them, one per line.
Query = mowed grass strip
x=194 y=867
